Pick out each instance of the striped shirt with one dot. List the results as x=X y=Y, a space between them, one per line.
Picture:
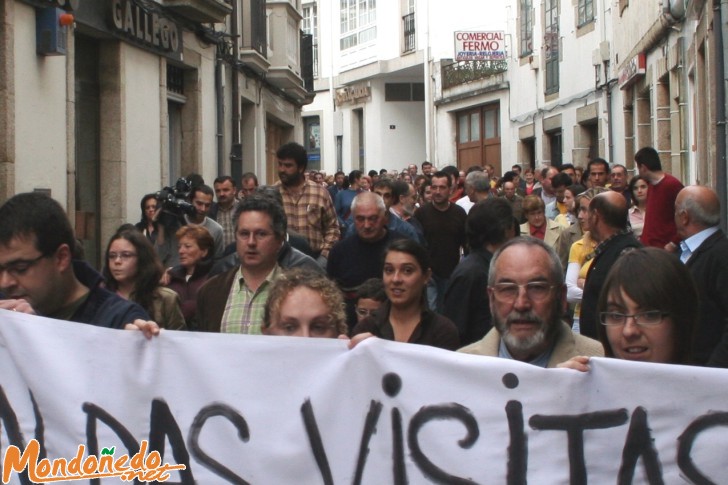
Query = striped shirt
x=225 y=219
x=244 y=307
x=311 y=213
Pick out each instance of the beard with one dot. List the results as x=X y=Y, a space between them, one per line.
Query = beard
x=290 y=180
x=545 y=331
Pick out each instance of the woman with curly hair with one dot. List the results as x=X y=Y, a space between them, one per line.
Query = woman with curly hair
x=302 y=303
x=133 y=271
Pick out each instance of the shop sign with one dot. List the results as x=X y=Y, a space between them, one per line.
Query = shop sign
x=634 y=69
x=352 y=94
x=480 y=46
x=151 y=29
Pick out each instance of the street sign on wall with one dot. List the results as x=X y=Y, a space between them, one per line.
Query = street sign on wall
x=480 y=45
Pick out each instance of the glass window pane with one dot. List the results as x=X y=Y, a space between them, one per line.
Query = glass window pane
x=491 y=124
x=463 y=136
x=475 y=127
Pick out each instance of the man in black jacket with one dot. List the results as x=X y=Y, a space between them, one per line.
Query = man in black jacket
x=608 y=224
x=704 y=249
x=488 y=226
x=38 y=274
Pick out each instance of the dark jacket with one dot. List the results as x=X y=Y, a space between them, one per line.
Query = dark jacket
x=709 y=267
x=102 y=307
x=434 y=329
x=187 y=289
x=605 y=257
x=466 y=297
x=211 y=300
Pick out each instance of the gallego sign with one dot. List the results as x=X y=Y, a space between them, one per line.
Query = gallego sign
x=480 y=46
x=150 y=29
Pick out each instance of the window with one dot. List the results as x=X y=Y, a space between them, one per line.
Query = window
x=310 y=27
x=586 y=12
x=525 y=15
x=404 y=92
x=551 y=45
x=358 y=22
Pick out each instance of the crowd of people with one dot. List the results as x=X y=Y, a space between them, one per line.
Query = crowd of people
x=548 y=266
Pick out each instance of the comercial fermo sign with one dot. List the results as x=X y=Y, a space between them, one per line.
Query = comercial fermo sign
x=352 y=94
x=480 y=46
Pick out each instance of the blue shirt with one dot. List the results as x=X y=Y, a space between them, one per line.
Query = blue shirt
x=691 y=244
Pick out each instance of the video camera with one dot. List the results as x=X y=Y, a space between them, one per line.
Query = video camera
x=175 y=199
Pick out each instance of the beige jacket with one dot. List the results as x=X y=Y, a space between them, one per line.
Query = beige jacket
x=568 y=345
x=554 y=237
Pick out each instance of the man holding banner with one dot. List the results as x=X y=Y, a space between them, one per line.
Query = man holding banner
x=527 y=298
x=38 y=274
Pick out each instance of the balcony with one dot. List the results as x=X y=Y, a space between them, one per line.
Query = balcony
x=408 y=28
x=466 y=71
x=202 y=11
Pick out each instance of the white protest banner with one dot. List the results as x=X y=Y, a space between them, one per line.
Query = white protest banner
x=277 y=410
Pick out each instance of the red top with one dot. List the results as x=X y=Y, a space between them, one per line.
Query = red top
x=659 y=228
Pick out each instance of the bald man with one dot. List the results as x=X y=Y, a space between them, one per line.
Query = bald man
x=608 y=223
x=704 y=249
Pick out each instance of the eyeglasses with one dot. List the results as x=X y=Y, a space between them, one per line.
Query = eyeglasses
x=257 y=235
x=642 y=319
x=124 y=256
x=536 y=291
x=364 y=312
x=20 y=266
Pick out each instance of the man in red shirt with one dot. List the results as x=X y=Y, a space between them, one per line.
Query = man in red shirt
x=659 y=230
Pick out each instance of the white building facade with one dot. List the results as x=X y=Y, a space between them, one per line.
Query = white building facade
x=581 y=79
x=104 y=101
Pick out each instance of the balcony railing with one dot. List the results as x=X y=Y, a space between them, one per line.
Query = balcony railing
x=409 y=32
x=466 y=71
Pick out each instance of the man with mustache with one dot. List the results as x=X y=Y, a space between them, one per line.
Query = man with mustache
x=527 y=300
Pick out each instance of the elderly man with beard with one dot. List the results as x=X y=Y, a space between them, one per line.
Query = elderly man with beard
x=527 y=299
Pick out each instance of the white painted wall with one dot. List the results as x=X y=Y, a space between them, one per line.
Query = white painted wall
x=40 y=112
x=208 y=116
x=142 y=127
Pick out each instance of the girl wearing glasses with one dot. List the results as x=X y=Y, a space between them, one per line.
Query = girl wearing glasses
x=648 y=308
x=133 y=271
x=405 y=317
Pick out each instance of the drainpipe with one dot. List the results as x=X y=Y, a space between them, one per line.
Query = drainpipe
x=610 y=127
x=235 y=88
x=220 y=109
x=720 y=33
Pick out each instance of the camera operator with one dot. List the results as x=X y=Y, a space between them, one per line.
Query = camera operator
x=201 y=197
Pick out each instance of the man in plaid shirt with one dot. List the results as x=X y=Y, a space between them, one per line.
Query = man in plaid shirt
x=308 y=206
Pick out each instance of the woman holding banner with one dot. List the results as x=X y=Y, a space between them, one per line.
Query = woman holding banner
x=405 y=317
x=648 y=308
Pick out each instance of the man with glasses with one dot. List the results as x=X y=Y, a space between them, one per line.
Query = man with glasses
x=39 y=276
x=233 y=302
x=527 y=300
